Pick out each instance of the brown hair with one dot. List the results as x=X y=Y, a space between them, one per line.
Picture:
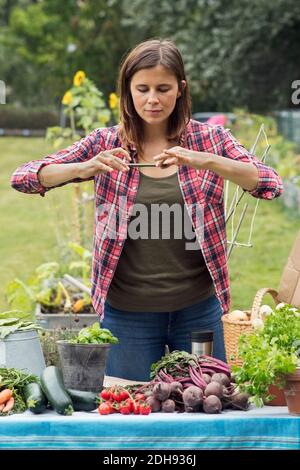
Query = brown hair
x=145 y=55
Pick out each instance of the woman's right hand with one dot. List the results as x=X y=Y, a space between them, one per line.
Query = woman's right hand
x=105 y=161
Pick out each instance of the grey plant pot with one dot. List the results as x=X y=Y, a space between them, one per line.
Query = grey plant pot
x=22 y=350
x=83 y=365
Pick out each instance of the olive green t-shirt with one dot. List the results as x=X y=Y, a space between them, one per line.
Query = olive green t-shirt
x=155 y=271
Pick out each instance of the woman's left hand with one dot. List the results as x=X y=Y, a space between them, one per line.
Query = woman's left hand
x=181 y=156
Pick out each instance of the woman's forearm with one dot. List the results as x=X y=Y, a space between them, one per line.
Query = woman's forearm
x=243 y=174
x=55 y=174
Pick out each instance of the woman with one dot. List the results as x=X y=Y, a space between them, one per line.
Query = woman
x=152 y=291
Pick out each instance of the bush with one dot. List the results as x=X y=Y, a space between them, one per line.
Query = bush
x=17 y=117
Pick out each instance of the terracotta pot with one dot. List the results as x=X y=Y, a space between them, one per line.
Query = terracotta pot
x=279 y=397
x=292 y=392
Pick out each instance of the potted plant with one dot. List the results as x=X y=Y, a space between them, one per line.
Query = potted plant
x=20 y=345
x=271 y=355
x=83 y=358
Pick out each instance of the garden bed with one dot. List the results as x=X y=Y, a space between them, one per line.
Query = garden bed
x=70 y=320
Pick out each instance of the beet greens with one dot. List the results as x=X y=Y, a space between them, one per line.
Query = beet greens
x=187 y=369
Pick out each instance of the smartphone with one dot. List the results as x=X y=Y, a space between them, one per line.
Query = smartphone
x=145 y=164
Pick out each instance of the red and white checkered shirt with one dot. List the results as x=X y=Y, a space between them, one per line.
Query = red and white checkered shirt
x=198 y=187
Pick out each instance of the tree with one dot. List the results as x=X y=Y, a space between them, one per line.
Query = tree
x=237 y=53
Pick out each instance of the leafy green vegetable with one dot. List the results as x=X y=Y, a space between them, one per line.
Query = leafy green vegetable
x=94 y=334
x=47 y=286
x=10 y=325
x=172 y=361
x=269 y=353
x=21 y=297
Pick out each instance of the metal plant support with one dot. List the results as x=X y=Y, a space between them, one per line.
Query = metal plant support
x=236 y=199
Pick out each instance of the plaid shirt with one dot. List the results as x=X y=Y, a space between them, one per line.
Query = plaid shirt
x=198 y=187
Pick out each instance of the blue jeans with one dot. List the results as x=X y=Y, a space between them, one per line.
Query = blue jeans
x=144 y=335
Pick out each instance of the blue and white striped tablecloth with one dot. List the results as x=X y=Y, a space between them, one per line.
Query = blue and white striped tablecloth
x=265 y=428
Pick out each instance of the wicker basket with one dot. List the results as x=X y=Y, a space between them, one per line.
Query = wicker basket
x=233 y=328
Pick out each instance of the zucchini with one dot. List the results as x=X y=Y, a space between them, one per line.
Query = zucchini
x=83 y=401
x=35 y=398
x=53 y=387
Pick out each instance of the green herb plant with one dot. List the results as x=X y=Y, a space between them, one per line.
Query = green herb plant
x=94 y=334
x=268 y=354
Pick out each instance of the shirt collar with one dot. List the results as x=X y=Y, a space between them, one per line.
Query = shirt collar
x=182 y=139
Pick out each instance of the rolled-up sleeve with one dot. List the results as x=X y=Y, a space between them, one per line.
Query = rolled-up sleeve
x=25 y=178
x=269 y=182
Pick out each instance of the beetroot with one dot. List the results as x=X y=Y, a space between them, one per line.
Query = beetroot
x=189 y=409
x=240 y=401
x=154 y=403
x=207 y=378
x=168 y=406
x=223 y=379
x=161 y=391
x=212 y=404
x=176 y=388
x=192 y=396
x=214 y=388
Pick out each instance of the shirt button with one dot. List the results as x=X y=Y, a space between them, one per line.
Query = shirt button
x=111 y=271
x=134 y=187
x=120 y=243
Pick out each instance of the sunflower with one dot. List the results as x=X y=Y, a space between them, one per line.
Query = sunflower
x=113 y=100
x=79 y=77
x=67 y=98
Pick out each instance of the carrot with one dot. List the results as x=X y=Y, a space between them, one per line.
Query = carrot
x=5 y=395
x=2 y=406
x=9 y=405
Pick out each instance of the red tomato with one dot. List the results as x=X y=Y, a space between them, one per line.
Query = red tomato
x=145 y=409
x=125 y=408
x=139 y=396
x=105 y=408
x=105 y=394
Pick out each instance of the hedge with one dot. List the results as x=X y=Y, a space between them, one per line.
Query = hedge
x=15 y=117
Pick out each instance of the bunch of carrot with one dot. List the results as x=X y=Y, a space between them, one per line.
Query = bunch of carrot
x=12 y=383
x=6 y=401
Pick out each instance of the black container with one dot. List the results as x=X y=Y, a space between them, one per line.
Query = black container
x=202 y=342
x=83 y=365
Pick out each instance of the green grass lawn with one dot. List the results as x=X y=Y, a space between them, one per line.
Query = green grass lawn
x=262 y=265
x=32 y=229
